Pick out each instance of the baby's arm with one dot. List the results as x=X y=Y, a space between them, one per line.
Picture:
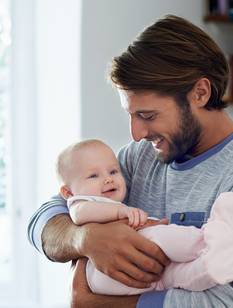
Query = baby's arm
x=84 y=211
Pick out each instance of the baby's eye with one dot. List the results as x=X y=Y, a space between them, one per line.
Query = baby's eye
x=114 y=171
x=92 y=176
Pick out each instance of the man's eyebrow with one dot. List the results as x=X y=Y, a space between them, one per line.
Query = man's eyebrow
x=146 y=111
x=141 y=111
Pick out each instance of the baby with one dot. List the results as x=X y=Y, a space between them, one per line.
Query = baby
x=94 y=188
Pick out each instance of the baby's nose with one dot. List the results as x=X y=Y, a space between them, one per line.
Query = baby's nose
x=108 y=180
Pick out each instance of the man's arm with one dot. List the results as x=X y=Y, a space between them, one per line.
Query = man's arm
x=82 y=297
x=60 y=241
x=55 y=206
x=131 y=259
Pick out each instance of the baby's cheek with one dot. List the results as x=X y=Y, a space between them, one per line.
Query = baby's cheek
x=93 y=189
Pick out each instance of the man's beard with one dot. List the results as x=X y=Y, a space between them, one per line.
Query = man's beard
x=185 y=140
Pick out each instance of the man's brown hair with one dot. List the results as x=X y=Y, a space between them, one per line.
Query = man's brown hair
x=169 y=57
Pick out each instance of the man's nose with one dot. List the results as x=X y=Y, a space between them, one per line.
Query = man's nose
x=138 y=129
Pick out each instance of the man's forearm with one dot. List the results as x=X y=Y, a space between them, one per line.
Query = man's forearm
x=103 y=301
x=62 y=239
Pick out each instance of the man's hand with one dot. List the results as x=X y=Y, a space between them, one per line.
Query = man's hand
x=82 y=297
x=121 y=253
x=153 y=222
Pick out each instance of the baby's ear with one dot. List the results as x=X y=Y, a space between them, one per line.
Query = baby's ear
x=65 y=192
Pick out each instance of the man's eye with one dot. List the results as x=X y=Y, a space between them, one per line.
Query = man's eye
x=114 y=171
x=146 y=116
x=92 y=176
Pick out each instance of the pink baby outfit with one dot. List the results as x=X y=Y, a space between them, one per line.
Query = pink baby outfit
x=201 y=258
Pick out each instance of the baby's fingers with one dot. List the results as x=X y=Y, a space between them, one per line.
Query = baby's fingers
x=143 y=217
x=136 y=221
x=130 y=215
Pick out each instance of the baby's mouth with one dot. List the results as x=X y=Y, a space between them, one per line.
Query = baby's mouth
x=109 y=191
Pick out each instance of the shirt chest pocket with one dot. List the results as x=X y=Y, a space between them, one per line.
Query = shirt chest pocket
x=196 y=219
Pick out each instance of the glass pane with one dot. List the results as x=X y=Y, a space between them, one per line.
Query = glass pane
x=5 y=239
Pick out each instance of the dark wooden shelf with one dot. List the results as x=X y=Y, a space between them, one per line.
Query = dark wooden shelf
x=218 y=18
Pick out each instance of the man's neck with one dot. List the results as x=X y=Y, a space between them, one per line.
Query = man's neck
x=217 y=126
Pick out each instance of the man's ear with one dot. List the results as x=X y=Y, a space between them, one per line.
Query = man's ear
x=65 y=192
x=200 y=93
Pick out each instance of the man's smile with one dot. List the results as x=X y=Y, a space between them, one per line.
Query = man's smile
x=158 y=142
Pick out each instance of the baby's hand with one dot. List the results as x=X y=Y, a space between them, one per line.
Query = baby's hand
x=137 y=217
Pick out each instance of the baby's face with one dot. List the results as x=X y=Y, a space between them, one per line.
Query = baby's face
x=96 y=172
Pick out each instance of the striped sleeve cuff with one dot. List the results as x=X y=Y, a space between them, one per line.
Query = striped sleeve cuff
x=37 y=222
x=152 y=299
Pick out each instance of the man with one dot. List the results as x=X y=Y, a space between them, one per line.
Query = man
x=171 y=81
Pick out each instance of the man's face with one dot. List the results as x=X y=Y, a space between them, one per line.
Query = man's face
x=172 y=130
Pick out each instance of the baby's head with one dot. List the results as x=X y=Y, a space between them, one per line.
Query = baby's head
x=90 y=168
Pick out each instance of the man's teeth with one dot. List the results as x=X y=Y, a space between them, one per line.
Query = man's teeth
x=157 y=140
